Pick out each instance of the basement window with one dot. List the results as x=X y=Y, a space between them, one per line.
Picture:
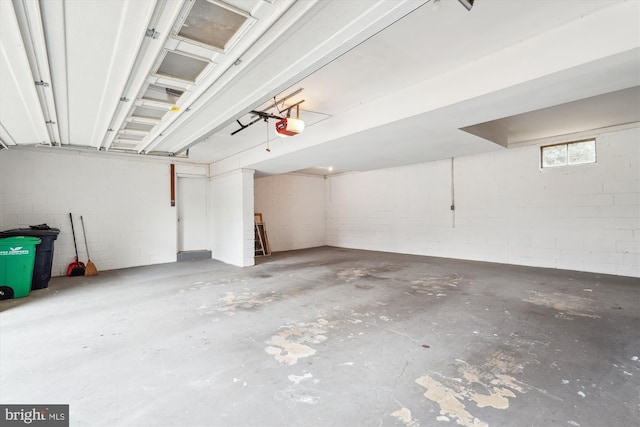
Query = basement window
x=569 y=153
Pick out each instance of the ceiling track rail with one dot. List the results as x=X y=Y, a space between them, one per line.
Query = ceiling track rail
x=265 y=115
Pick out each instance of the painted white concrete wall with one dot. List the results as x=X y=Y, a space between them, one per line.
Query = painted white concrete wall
x=231 y=210
x=293 y=209
x=125 y=205
x=508 y=210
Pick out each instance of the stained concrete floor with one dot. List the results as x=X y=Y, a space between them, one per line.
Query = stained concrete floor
x=329 y=337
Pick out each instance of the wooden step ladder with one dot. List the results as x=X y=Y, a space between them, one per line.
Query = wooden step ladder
x=262 y=247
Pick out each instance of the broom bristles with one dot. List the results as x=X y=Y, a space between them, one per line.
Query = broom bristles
x=90 y=269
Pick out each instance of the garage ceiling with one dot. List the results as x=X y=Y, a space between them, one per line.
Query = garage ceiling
x=384 y=83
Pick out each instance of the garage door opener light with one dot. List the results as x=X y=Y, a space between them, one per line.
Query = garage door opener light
x=289 y=126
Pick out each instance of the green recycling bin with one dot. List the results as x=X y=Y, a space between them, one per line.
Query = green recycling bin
x=17 y=257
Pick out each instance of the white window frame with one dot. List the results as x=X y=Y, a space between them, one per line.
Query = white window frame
x=567 y=164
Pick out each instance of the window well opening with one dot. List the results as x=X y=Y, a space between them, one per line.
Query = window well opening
x=570 y=153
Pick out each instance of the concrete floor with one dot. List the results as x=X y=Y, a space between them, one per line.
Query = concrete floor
x=329 y=337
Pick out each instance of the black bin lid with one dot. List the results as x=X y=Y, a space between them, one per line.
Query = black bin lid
x=33 y=230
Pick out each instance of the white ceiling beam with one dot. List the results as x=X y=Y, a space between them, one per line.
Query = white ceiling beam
x=92 y=47
x=132 y=24
x=4 y=133
x=164 y=15
x=55 y=33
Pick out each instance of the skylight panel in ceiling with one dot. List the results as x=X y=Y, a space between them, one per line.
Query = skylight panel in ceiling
x=162 y=94
x=214 y=24
x=148 y=113
x=124 y=148
x=144 y=127
x=129 y=138
x=180 y=66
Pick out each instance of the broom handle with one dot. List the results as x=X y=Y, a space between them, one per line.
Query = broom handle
x=74 y=236
x=84 y=233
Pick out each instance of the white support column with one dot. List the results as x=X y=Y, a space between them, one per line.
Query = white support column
x=232 y=217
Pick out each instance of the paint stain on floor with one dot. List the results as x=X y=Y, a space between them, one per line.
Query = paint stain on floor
x=296 y=341
x=298 y=378
x=435 y=285
x=245 y=301
x=404 y=415
x=252 y=300
x=293 y=395
x=489 y=385
x=450 y=401
x=350 y=274
x=567 y=305
x=355 y=273
x=292 y=342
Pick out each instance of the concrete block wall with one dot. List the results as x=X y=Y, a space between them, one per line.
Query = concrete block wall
x=293 y=209
x=508 y=210
x=231 y=210
x=125 y=205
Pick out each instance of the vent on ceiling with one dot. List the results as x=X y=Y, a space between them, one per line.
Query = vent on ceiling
x=181 y=66
x=213 y=24
x=162 y=94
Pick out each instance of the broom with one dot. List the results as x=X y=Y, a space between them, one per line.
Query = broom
x=90 y=269
x=76 y=268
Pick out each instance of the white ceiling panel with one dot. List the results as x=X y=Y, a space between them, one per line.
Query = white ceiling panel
x=21 y=117
x=102 y=41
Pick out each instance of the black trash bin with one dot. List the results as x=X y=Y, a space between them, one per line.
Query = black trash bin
x=44 y=251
